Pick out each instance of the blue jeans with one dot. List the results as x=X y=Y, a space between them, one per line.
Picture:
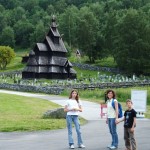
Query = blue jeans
x=113 y=132
x=75 y=120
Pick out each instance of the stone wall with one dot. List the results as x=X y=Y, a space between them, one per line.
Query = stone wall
x=96 y=68
x=58 y=89
x=29 y=88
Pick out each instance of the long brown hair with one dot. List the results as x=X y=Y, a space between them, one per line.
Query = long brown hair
x=114 y=95
x=77 y=97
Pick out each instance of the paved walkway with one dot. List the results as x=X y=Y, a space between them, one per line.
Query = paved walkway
x=95 y=133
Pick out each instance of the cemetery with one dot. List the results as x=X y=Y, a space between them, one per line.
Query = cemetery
x=14 y=81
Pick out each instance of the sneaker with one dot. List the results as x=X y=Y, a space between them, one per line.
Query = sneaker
x=113 y=147
x=81 y=146
x=72 y=147
x=109 y=146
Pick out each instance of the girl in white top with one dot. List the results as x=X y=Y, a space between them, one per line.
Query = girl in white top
x=73 y=106
x=112 y=116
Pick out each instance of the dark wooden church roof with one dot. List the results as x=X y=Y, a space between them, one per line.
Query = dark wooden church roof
x=42 y=47
x=54 y=46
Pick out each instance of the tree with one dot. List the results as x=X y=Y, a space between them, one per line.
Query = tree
x=60 y=6
x=110 y=31
x=8 y=37
x=6 y=55
x=131 y=4
x=88 y=28
x=2 y=8
x=98 y=11
x=69 y=50
x=9 y=4
x=45 y=3
x=68 y=24
x=30 y=5
x=50 y=10
x=37 y=16
x=75 y=2
x=3 y=21
x=132 y=44
x=38 y=34
x=23 y=28
x=18 y=13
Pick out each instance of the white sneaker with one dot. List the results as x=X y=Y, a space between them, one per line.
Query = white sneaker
x=72 y=147
x=81 y=146
x=113 y=147
x=109 y=146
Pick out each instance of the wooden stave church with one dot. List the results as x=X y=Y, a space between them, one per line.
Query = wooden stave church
x=48 y=59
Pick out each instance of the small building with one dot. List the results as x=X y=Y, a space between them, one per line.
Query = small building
x=48 y=59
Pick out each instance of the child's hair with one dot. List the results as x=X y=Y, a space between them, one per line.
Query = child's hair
x=77 y=97
x=114 y=95
x=129 y=100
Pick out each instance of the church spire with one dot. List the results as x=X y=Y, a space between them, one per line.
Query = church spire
x=53 y=24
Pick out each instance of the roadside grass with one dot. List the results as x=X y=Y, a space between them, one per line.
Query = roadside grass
x=19 y=113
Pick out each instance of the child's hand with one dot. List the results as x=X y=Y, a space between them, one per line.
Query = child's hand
x=117 y=121
x=106 y=121
x=132 y=129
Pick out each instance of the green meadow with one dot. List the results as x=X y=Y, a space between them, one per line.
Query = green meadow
x=20 y=113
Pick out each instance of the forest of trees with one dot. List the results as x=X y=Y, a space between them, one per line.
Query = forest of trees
x=100 y=28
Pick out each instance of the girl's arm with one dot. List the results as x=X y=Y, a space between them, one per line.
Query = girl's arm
x=116 y=109
x=80 y=108
x=66 y=109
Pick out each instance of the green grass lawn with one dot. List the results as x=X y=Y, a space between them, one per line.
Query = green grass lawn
x=19 y=113
x=88 y=73
x=106 y=62
x=15 y=64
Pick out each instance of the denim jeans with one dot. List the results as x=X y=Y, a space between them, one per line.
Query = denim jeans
x=113 y=132
x=75 y=120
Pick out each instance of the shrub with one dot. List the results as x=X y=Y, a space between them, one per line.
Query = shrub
x=6 y=55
